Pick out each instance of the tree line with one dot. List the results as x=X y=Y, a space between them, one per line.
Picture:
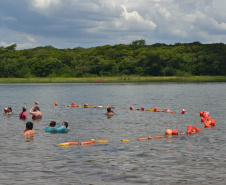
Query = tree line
x=137 y=58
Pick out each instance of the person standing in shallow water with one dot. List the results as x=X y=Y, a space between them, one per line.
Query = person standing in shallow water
x=29 y=130
x=36 y=113
x=109 y=112
x=23 y=114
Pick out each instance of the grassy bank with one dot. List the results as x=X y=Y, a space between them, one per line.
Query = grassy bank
x=116 y=79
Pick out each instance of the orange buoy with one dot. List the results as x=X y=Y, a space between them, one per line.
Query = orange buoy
x=13 y=103
x=205 y=116
x=203 y=120
x=167 y=110
x=212 y=122
x=73 y=104
x=131 y=108
x=55 y=104
x=36 y=103
x=100 y=107
x=182 y=111
x=85 y=105
x=207 y=124
x=156 y=109
x=196 y=129
x=158 y=137
x=168 y=132
x=141 y=139
x=175 y=132
x=189 y=129
x=142 y=108
x=201 y=113
x=112 y=107
x=149 y=137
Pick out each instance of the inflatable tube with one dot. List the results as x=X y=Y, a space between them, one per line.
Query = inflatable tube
x=125 y=140
x=175 y=132
x=69 y=143
x=58 y=129
x=87 y=142
x=141 y=139
x=189 y=129
x=196 y=129
x=158 y=137
x=102 y=141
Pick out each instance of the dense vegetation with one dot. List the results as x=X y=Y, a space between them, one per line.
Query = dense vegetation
x=137 y=58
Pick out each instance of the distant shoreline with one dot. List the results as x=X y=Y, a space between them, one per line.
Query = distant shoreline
x=118 y=79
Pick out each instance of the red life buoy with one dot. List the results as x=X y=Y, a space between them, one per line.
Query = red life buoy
x=189 y=129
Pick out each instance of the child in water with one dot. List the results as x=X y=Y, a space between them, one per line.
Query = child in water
x=29 y=129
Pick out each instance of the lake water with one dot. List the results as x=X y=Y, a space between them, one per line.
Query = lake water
x=182 y=159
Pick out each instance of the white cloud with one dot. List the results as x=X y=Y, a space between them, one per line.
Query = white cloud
x=43 y=4
x=64 y=23
x=133 y=20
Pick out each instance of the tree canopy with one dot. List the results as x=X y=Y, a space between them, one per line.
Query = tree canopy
x=136 y=58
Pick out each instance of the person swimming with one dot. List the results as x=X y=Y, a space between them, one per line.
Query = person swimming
x=29 y=129
x=36 y=113
x=8 y=110
x=53 y=128
x=109 y=112
x=52 y=124
x=23 y=114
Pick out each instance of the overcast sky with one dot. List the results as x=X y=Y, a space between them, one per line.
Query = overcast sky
x=90 y=23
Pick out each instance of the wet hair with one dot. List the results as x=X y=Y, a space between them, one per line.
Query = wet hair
x=9 y=108
x=36 y=108
x=24 y=108
x=66 y=124
x=29 y=125
x=52 y=124
x=109 y=109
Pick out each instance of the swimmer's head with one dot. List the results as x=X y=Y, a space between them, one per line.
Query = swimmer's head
x=24 y=108
x=52 y=124
x=36 y=108
x=29 y=125
x=65 y=124
x=109 y=109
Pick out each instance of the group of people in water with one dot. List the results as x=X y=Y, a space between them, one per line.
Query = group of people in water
x=36 y=115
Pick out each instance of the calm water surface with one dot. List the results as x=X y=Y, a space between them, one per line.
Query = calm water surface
x=182 y=159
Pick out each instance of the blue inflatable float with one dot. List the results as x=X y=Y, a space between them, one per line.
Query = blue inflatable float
x=58 y=129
